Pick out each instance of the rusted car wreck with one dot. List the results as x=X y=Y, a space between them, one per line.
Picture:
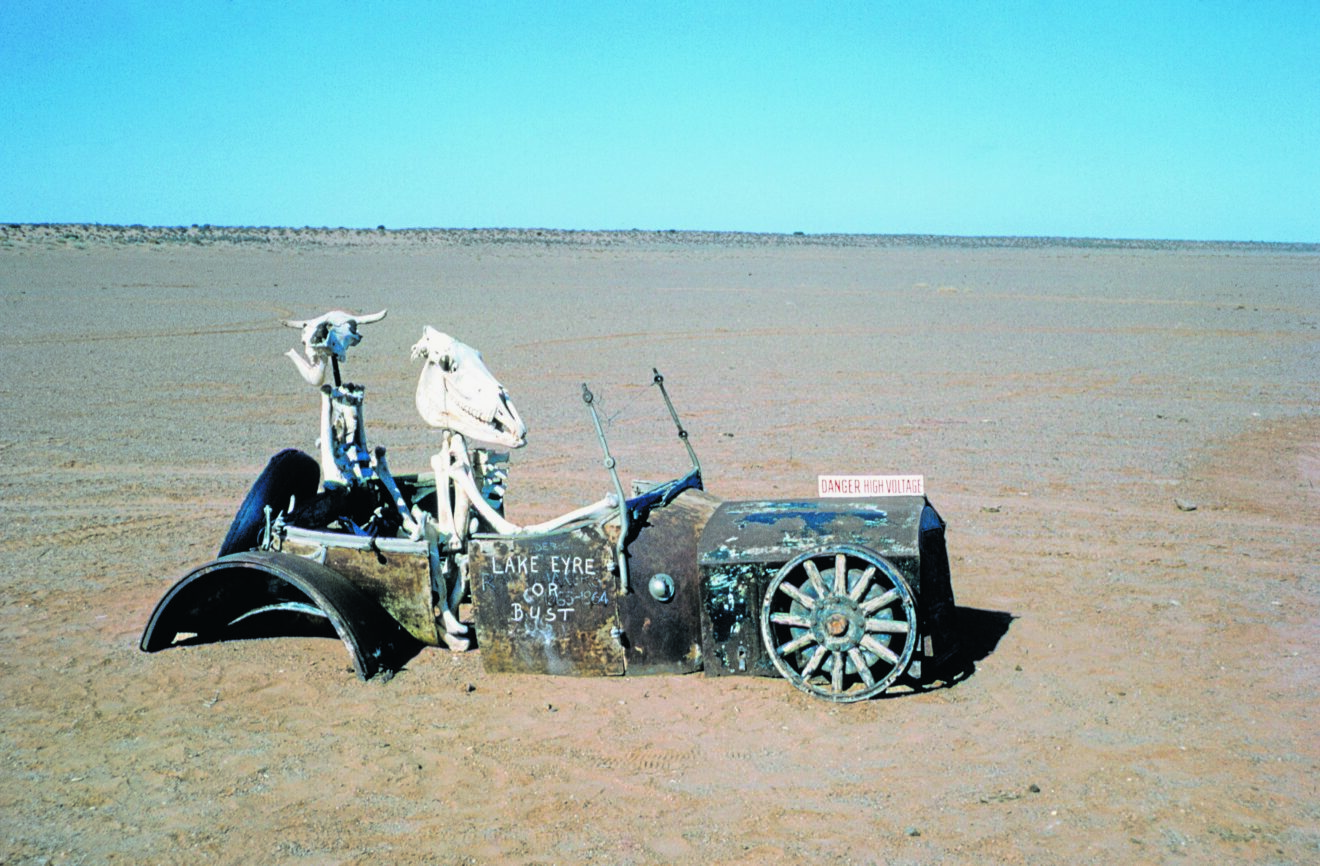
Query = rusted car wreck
x=842 y=597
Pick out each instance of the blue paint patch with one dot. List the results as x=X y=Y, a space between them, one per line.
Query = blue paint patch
x=816 y=520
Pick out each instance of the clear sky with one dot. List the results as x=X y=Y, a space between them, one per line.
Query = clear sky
x=1179 y=119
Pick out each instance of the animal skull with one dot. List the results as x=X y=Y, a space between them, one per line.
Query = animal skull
x=327 y=336
x=457 y=392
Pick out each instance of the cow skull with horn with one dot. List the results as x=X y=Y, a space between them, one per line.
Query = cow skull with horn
x=326 y=341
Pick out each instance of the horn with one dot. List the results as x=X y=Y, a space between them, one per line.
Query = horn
x=374 y=317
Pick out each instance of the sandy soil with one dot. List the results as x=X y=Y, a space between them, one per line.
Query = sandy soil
x=1145 y=677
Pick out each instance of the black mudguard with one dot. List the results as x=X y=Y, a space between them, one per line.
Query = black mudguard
x=290 y=473
x=211 y=601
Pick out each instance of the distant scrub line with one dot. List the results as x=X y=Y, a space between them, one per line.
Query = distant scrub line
x=83 y=234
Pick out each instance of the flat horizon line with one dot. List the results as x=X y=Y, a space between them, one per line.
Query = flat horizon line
x=239 y=233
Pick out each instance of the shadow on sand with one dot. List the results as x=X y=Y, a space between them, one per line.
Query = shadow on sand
x=978 y=633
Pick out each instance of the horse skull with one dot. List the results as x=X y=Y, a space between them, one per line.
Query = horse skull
x=457 y=392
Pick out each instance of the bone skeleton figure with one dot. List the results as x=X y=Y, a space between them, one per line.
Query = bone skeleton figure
x=345 y=458
x=457 y=393
x=326 y=341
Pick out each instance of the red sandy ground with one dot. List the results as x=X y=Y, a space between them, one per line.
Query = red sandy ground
x=1145 y=677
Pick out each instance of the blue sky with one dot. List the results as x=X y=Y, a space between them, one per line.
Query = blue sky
x=1182 y=120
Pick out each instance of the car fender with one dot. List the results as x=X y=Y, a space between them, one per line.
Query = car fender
x=209 y=602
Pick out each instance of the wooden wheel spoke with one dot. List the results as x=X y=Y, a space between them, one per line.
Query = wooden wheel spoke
x=872 y=605
x=863 y=584
x=804 y=640
x=836 y=678
x=813 y=574
x=840 y=573
x=859 y=662
x=874 y=646
x=797 y=595
x=791 y=620
x=888 y=626
x=814 y=662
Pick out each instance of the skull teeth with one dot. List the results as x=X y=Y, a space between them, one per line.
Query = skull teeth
x=484 y=415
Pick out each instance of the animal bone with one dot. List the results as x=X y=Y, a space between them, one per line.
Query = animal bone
x=457 y=392
x=457 y=494
x=326 y=341
x=343 y=442
x=346 y=459
x=344 y=456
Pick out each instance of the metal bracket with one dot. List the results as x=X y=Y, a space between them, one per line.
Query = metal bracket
x=659 y=382
x=620 y=546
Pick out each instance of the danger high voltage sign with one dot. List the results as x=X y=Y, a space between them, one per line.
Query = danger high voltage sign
x=870 y=485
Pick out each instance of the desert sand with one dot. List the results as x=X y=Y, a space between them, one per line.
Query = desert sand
x=1123 y=438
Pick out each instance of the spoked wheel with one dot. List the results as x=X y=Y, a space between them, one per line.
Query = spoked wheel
x=839 y=623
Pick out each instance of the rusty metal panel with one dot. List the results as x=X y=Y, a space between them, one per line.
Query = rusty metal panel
x=547 y=604
x=778 y=530
x=395 y=573
x=730 y=631
x=661 y=616
x=745 y=543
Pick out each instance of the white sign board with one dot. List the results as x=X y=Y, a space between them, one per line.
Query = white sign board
x=853 y=486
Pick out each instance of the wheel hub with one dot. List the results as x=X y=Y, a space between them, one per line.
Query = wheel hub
x=839 y=622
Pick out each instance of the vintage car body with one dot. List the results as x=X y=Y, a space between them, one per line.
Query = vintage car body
x=552 y=603
x=844 y=598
